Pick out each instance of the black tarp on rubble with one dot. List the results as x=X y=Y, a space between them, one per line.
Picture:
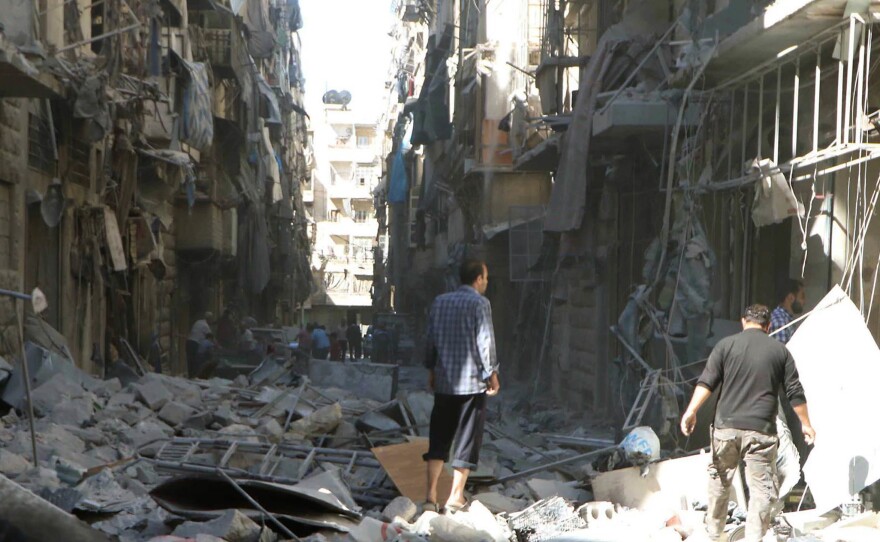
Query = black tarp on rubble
x=302 y=508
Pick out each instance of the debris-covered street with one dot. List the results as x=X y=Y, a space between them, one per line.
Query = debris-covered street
x=439 y=270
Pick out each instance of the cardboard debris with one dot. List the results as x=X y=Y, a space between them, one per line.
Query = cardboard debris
x=406 y=468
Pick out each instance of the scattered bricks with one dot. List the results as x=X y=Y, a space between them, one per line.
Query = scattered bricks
x=153 y=394
x=232 y=526
x=174 y=413
x=400 y=507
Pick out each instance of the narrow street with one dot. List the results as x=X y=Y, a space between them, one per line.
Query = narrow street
x=439 y=270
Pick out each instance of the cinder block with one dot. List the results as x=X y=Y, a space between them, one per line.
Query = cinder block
x=369 y=380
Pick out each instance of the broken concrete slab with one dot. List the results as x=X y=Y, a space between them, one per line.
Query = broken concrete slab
x=175 y=413
x=37 y=519
x=498 y=503
x=401 y=507
x=371 y=380
x=376 y=421
x=232 y=526
x=272 y=429
x=74 y=413
x=54 y=393
x=153 y=393
x=544 y=489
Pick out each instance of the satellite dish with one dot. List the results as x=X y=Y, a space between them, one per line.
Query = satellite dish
x=331 y=97
x=345 y=97
x=53 y=204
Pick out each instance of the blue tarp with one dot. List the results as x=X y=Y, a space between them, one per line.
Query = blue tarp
x=399 y=179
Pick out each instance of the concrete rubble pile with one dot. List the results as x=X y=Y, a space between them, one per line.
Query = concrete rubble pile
x=271 y=457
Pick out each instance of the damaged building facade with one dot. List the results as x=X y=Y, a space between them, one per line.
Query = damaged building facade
x=339 y=200
x=633 y=177
x=152 y=155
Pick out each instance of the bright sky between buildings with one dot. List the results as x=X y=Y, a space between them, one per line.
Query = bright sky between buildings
x=345 y=46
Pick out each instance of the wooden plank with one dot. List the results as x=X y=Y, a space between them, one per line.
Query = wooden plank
x=408 y=471
x=114 y=240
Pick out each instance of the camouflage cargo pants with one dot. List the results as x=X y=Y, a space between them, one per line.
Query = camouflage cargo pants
x=758 y=451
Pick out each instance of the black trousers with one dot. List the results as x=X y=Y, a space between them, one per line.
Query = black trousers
x=457 y=421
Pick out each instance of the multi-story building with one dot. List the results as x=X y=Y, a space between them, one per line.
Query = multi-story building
x=345 y=230
x=151 y=158
x=664 y=129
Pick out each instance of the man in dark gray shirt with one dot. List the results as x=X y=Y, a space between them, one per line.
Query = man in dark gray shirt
x=747 y=370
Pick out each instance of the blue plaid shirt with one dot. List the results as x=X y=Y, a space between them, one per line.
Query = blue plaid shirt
x=780 y=318
x=461 y=342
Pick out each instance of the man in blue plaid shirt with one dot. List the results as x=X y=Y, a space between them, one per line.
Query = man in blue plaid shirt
x=791 y=303
x=463 y=371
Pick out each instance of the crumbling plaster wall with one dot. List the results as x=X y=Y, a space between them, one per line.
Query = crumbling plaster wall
x=13 y=172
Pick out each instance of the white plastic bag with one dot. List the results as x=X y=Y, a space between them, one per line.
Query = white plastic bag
x=774 y=198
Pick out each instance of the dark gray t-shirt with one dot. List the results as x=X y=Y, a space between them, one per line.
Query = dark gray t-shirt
x=750 y=367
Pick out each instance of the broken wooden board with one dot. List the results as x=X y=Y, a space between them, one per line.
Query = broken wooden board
x=114 y=240
x=408 y=471
x=672 y=484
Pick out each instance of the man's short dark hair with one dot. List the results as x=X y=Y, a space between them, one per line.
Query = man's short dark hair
x=788 y=286
x=757 y=314
x=471 y=269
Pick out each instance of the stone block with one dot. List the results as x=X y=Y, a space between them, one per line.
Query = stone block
x=153 y=394
x=370 y=380
x=400 y=507
x=174 y=413
x=73 y=413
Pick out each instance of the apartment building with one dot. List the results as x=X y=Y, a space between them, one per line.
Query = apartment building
x=341 y=202
x=151 y=158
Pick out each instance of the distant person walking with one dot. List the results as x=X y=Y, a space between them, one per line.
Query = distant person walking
x=342 y=337
x=381 y=344
x=198 y=333
x=355 y=341
x=463 y=371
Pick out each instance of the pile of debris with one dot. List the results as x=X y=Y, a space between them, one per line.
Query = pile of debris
x=271 y=456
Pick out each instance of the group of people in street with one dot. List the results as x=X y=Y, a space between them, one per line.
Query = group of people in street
x=341 y=344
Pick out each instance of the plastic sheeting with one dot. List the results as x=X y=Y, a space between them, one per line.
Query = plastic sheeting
x=774 y=198
x=198 y=111
x=253 y=250
x=839 y=366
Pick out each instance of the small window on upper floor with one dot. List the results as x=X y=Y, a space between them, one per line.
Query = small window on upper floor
x=364 y=141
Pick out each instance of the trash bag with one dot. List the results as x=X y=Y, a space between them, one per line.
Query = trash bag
x=641 y=446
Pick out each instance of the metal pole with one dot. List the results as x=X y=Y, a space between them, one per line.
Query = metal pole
x=560 y=463
x=27 y=378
